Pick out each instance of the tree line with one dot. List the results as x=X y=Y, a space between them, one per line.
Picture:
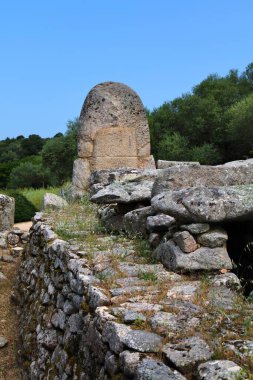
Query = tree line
x=38 y=162
x=211 y=124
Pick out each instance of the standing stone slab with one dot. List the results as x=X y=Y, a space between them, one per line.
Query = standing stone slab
x=113 y=132
x=7 y=210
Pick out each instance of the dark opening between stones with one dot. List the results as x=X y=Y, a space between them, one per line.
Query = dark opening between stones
x=240 y=250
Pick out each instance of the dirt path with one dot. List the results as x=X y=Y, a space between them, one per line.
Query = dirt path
x=9 y=368
x=25 y=226
x=8 y=325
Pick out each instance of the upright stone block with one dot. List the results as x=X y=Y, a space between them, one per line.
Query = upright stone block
x=113 y=132
x=7 y=210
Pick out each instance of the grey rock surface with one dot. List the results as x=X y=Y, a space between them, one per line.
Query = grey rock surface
x=122 y=175
x=129 y=192
x=187 y=354
x=204 y=258
x=202 y=204
x=242 y=348
x=129 y=361
x=172 y=323
x=53 y=202
x=159 y=222
x=183 y=177
x=150 y=369
x=218 y=370
x=143 y=341
x=7 y=210
x=196 y=228
x=163 y=164
x=213 y=238
x=185 y=241
x=230 y=280
x=135 y=221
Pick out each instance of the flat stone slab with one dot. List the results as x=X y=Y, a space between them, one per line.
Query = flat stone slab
x=185 y=291
x=218 y=369
x=187 y=354
x=160 y=222
x=107 y=176
x=204 y=258
x=195 y=228
x=230 y=280
x=124 y=193
x=171 y=323
x=202 y=204
x=118 y=336
x=150 y=369
x=142 y=341
x=184 y=177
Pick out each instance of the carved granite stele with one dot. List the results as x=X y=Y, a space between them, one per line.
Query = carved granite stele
x=113 y=133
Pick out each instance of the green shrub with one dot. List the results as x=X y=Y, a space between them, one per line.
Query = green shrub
x=24 y=209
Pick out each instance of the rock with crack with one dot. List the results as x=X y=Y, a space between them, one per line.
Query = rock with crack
x=187 y=354
x=184 y=177
x=119 y=336
x=203 y=204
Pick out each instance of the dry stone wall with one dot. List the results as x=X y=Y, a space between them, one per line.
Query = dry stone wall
x=102 y=313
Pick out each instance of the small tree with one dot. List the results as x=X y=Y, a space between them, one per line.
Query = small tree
x=29 y=174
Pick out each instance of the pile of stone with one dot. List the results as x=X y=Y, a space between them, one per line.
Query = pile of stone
x=181 y=209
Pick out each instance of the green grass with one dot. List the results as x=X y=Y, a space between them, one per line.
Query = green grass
x=148 y=276
x=34 y=195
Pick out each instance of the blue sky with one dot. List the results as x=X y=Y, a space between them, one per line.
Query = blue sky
x=54 y=51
